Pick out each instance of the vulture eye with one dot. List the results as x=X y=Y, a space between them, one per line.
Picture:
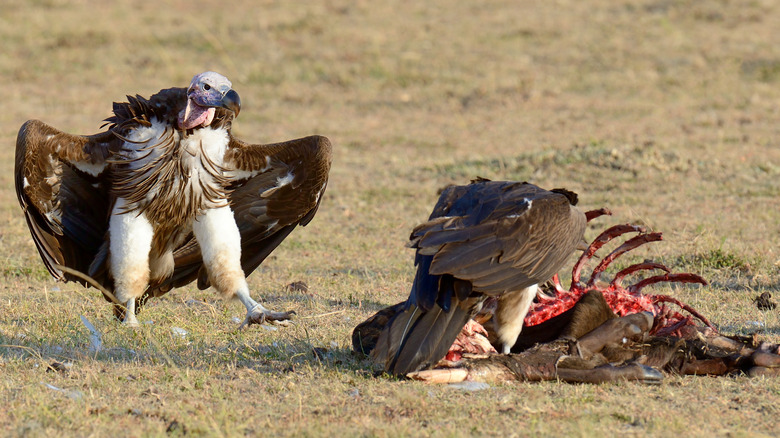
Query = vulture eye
x=206 y=87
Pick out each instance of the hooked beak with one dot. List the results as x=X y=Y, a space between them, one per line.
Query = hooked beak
x=231 y=101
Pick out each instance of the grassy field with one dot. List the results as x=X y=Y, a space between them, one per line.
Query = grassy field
x=667 y=112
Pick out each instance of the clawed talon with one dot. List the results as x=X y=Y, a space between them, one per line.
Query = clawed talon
x=261 y=315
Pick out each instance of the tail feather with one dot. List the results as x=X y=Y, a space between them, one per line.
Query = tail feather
x=415 y=339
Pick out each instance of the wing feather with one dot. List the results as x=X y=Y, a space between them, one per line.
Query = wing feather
x=60 y=188
x=529 y=232
x=416 y=339
x=285 y=193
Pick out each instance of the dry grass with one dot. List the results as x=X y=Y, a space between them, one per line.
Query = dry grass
x=666 y=112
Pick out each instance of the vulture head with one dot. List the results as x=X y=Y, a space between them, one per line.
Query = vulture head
x=206 y=92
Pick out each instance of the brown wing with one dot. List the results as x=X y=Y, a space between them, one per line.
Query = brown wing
x=500 y=236
x=482 y=239
x=287 y=189
x=276 y=188
x=61 y=189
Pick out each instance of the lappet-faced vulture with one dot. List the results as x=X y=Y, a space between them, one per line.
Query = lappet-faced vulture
x=486 y=239
x=166 y=195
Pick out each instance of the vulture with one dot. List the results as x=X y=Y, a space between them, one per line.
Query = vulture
x=486 y=239
x=166 y=195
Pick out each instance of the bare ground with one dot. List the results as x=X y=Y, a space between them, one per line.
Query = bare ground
x=666 y=112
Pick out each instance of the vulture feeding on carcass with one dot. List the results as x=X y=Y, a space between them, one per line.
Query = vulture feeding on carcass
x=595 y=331
x=166 y=195
x=486 y=239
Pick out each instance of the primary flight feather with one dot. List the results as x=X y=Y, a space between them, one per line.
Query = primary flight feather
x=166 y=195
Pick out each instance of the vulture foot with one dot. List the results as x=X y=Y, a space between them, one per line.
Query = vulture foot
x=260 y=315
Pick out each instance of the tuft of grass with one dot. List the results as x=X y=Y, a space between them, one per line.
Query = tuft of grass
x=716 y=259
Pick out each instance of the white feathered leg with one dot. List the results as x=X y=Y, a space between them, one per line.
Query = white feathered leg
x=220 y=245
x=130 y=237
x=511 y=311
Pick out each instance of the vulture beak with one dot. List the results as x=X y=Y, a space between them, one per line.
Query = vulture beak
x=231 y=101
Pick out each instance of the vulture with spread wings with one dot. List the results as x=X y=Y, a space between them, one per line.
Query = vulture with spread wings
x=166 y=195
x=488 y=238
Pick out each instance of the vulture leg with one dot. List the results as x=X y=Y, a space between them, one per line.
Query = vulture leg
x=510 y=314
x=130 y=242
x=220 y=241
x=130 y=319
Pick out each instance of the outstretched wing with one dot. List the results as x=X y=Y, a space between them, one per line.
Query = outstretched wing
x=284 y=188
x=275 y=188
x=500 y=236
x=61 y=189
